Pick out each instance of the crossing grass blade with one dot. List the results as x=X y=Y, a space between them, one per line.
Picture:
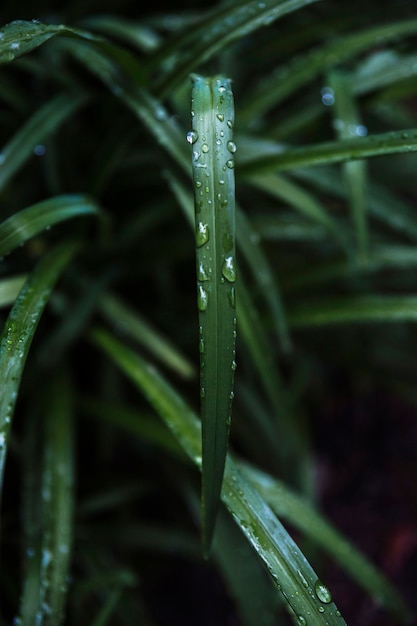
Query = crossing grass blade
x=25 y=224
x=354 y=309
x=293 y=575
x=47 y=119
x=381 y=144
x=226 y=24
x=291 y=507
x=9 y=288
x=283 y=83
x=19 y=329
x=213 y=149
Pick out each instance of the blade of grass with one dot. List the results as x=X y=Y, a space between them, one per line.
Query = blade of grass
x=355 y=309
x=131 y=323
x=347 y=123
x=334 y=152
x=25 y=224
x=304 y=202
x=214 y=192
x=18 y=332
x=305 y=69
x=226 y=24
x=42 y=123
x=305 y=518
x=57 y=494
x=290 y=570
x=9 y=288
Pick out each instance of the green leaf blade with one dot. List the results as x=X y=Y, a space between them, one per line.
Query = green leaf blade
x=213 y=179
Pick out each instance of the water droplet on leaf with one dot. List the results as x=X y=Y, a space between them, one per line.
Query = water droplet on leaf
x=322 y=592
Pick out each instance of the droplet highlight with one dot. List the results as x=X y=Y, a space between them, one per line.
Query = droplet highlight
x=322 y=592
x=202 y=234
x=229 y=269
x=192 y=136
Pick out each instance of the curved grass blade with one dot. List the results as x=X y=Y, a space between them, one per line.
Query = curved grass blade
x=283 y=83
x=306 y=595
x=334 y=152
x=18 y=332
x=302 y=516
x=21 y=226
x=227 y=24
x=133 y=324
x=347 y=123
x=20 y=37
x=214 y=192
x=356 y=309
x=45 y=121
x=9 y=288
x=139 y=35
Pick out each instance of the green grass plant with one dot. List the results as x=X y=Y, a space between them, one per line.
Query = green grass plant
x=204 y=210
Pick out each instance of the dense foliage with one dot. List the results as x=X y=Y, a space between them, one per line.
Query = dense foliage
x=101 y=344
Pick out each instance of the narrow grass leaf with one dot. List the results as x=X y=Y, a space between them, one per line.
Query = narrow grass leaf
x=36 y=129
x=354 y=309
x=382 y=144
x=290 y=570
x=9 y=288
x=346 y=122
x=19 y=329
x=226 y=24
x=285 y=81
x=57 y=492
x=132 y=324
x=140 y=35
x=304 y=202
x=247 y=240
x=302 y=516
x=383 y=204
x=214 y=191
x=25 y=224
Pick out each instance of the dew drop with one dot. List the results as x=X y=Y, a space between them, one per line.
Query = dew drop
x=202 y=234
x=201 y=346
x=192 y=136
x=229 y=269
x=231 y=395
x=201 y=272
x=222 y=89
x=220 y=117
x=231 y=146
x=234 y=366
x=321 y=609
x=205 y=148
x=230 y=164
x=198 y=184
x=322 y=592
x=230 y=123
x=202 y=392
x=301 y=620
x=327 y=96
x=14 y=45
x=202 y=298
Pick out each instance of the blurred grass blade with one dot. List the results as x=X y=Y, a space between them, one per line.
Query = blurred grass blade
x=9 y=289
x=304 y=518
x=285 y=81
x=57 y=493
x=229 y=22
x=384 y=205
x=214 y=192
x=355 y=309
x=131 y=323
x=18 y=333
x=347 y=123
x=334 y=152
x=42 y=123
x=304 y=202
x=21 y=226
x=306 y=595
x=139 y=35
